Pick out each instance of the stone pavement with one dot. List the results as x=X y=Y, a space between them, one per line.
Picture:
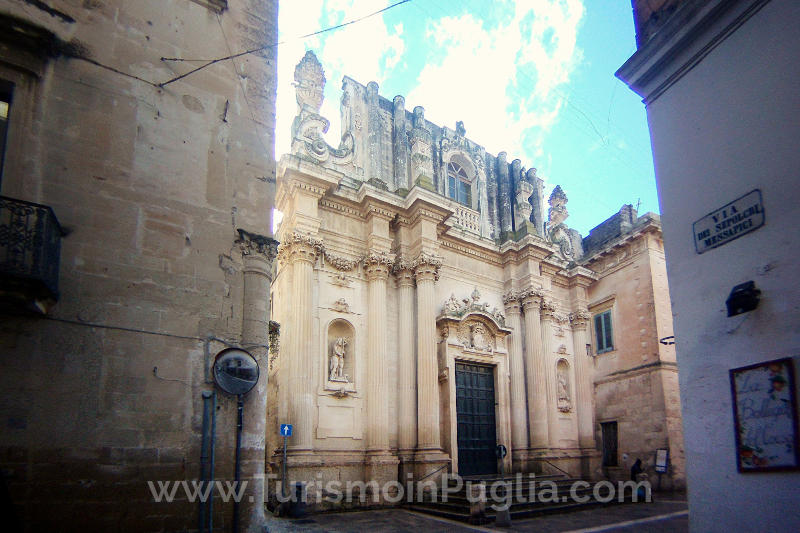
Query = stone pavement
x=664 y=515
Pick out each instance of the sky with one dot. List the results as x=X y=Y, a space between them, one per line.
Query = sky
x=533 y=78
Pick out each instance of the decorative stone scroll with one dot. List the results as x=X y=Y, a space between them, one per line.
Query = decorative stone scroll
x=309 y=125
x=341 y=263
x=556 y=230
x=455 y=308
x=341 y=306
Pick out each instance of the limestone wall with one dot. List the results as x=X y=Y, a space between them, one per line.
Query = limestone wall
x=636 y=382
x=151 y=184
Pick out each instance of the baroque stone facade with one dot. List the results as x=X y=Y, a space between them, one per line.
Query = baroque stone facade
x=163 y=192
x=455 y=270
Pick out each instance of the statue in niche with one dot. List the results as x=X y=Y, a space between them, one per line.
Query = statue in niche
x=564 y=401
x=337 y=361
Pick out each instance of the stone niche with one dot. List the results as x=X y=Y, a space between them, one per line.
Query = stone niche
x=340 y=357
x=563 y=386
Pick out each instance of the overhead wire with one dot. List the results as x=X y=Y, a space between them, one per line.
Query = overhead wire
x=262 y=48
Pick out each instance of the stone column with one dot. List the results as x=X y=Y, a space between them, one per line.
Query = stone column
x=535 y=369
x=301 y=253
x=376 y=267
x=257 y=255
x=548 y=309
x=406 y=367
x=381 y=464
x=519 y=412
x=426 y=272
x=583 y=379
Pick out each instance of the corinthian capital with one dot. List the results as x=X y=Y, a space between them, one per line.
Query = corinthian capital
x=378 y=264
x=531 y=297
x=580 y=318
x=427 y=265
x=254 y=244
x=298 y=246
x=548 y=308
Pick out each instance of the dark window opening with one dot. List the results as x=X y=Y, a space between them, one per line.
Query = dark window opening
x=609 y=443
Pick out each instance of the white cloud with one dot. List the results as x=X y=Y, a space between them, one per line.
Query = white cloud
x=502 y=81
x=502 y=78
x=365 y=51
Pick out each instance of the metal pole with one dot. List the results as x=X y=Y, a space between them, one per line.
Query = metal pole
x=211 y=470
x=283 y=468
x=201 y=526
x=238 y=468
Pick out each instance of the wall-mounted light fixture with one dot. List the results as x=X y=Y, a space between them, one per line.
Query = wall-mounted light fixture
x=743 y=298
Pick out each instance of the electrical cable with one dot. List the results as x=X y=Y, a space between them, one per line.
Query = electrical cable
x=262 y=48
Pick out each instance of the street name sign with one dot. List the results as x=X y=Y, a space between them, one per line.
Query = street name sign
x=729 y=222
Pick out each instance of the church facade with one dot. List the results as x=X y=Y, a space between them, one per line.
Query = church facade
x=433 y=304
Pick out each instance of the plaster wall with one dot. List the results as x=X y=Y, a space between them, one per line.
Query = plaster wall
x=727 y=127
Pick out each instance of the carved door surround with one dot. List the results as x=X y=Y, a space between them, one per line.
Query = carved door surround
x=475 y=337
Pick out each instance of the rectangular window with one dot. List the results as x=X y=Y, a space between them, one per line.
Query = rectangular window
x=451 y=188
x=603 y=332
x=609 y=443
x=464 y=194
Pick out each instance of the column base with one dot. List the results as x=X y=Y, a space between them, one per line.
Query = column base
x=430 y=464
x=381 y=466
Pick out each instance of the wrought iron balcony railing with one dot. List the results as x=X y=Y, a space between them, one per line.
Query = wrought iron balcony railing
x=30 y=247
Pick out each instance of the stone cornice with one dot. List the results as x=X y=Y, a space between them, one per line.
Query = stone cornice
x=254 y=244
x=687 y=36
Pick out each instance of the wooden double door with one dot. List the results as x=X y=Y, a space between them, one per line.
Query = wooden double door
x=475 y=412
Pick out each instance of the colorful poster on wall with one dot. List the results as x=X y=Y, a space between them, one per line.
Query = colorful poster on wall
x=765 y=416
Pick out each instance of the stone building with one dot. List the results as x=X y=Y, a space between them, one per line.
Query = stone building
x=719 y=81
x=434 y=304
x=134 y=246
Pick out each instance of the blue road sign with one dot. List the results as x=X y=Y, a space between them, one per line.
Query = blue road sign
x=286 y=430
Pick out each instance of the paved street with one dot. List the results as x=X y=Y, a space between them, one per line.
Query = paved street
x=666 y=515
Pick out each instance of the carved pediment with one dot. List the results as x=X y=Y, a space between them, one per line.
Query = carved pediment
x=453 y=307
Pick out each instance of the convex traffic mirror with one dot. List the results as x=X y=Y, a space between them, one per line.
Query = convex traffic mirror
x=235 y=371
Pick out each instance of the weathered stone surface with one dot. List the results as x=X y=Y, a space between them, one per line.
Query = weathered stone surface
x=151 y=183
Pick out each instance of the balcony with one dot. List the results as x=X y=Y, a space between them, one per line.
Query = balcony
x=30 y=247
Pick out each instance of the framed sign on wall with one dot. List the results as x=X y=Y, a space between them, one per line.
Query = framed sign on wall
x=765 y=416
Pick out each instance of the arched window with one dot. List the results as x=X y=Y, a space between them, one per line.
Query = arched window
x=459 y=187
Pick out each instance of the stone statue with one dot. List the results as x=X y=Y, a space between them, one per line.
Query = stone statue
x=564 y=402
x=461 y=131
x=337 y=360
